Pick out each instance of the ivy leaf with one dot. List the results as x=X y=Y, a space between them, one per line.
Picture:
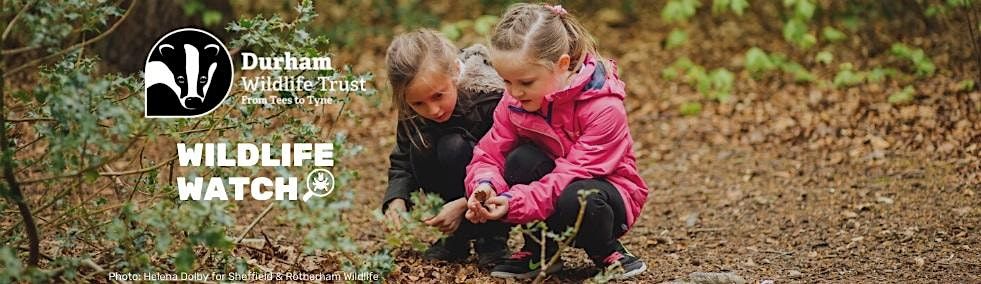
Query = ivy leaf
x=451 y=31
x=923 y=64
x=676 y=38
x=184 y=260
x=679 y=10
x=799 y=72
x=211 y=17
x=690 y=108
x=832 y=35
x=722 y=79
x=880 y=74
x=966 y=85
x=91 y=175
x=824 y=57
x=718 y=6
x=903 y=96
x=804 y=9
x=795 y=31
x=484 y=24
x=757 y=61
x=847 y=77
x=738 y=6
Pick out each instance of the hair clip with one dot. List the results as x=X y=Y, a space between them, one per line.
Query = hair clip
x=557 y=9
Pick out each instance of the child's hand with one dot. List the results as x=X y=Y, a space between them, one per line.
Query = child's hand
x=395 y=208
x=448 y=219
x=498 y=207
x=475 y=204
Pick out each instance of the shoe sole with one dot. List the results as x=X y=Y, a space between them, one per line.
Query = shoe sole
x=527 y=275
x=633 y=273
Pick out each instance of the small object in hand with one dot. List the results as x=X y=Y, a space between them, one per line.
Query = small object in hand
x=481 y=196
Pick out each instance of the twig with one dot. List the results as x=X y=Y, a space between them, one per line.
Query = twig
x=971 y=22
x=254 y=222
x=76 y=46
x=12 y=190
x=139 y=179
x=137 y=171
x=565 y=243
x=22 y=49
x=229 y=126
x=340 y=111
x=10 y=25
x=696 y=230
x=22 y=147
x=91 y=264
x=92 y=167
x=30 y=119
x=784 y=253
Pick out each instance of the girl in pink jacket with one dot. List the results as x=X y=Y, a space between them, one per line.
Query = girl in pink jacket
x=560 y=128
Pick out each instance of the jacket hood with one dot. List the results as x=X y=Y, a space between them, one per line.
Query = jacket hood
x=593 y=80
x=476 y=75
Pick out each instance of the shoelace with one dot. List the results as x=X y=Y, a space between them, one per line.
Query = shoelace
x=520 y=255
x=613 y=257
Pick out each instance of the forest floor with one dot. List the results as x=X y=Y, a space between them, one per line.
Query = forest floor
x=786 y=182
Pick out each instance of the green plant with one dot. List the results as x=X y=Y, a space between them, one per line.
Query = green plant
x=832 y=35
x=847 y=76
x=966 y=85
x=922 y=64
x=690 y=108
x=412 y=232
x=758 y=62
x=676 y=38
x=482 y=26
x=736 y=6
x=824 y=57
x=903 y=96
x=879 y=74
x=209 y=17
x=795 y=29
x=539 y=233
x=716 y=85
x=679 y=10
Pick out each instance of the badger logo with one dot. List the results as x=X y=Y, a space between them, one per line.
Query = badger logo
x=188 y=73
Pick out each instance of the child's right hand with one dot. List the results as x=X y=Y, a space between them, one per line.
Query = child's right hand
x=475 y=204
x=395 y=209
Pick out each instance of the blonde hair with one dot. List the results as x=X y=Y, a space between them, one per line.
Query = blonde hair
x=407 y=56
x=544 y=32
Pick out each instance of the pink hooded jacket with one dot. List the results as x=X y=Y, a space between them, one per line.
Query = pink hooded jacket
x=583 y=128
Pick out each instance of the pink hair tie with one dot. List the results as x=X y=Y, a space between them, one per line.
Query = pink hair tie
x=557 y=9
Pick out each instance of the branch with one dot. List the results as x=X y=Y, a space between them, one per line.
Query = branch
x=6 y=31
x=13 y=51
x=92 y=167
x=254 y=222
x=76 y=46
x=29 y=119
x=12 y=190
x=562 y=245
x=137 y=171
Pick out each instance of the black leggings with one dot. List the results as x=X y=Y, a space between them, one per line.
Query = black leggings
x=604 y=220
x=441 y=170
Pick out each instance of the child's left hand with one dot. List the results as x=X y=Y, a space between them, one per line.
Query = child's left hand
x=497 y=208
